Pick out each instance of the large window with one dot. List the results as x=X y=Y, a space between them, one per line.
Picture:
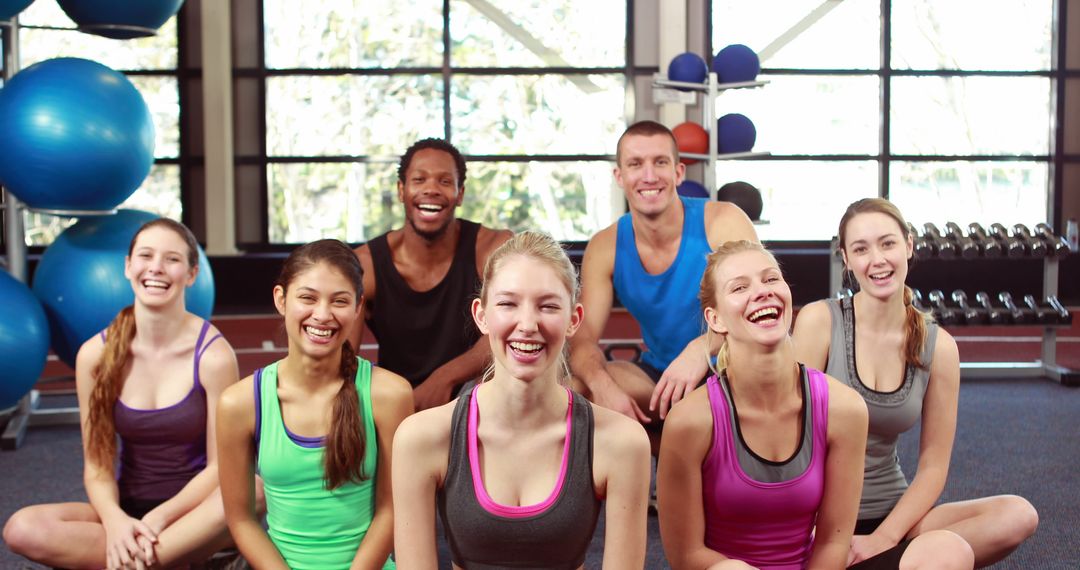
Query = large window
x=948 y=116
x=532 y=92
x=45 y=32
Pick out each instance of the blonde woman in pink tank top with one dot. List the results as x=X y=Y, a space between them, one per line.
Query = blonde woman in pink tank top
x=762 y=467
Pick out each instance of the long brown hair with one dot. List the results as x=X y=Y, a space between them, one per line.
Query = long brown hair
x=109 y=373
x=915 y=321
x=707 y=292
x=543 y=249
x=344 y=457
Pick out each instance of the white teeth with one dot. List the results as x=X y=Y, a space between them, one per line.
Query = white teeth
x=430 y=207
x=763 y=313
x=155 y=283
x=526 y=346
x=650 y=192
x=885 y=275
x=324 y=333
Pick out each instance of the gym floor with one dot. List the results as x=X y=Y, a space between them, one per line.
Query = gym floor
x=1013 y=436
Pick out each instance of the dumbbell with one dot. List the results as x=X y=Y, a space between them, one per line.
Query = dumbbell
x=945 y=315
x=1044 y=314
x=923 y=248
x=990 y=247
x=945 y=249
x=1054 y=243
x=972 y=315
x=919 y=302
x=1035 y=247
x=1064 y=316
x=1020 y=315
x=1013 y=247
x=967 y=246
x=844 y=293
x=996 y=315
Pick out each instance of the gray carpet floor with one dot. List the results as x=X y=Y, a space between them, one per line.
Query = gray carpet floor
x=1020 y=437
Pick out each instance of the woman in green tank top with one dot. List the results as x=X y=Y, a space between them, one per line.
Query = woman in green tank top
x=317 y=427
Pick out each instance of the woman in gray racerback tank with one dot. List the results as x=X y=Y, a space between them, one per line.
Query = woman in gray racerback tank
x=907 y=370
x=519 y=465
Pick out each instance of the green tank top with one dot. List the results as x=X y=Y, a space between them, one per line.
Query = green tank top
x=311 y=526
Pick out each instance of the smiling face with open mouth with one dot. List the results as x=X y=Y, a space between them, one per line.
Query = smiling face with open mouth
x=430 y=192
x=528 y=315
x=877 y=252
x=648 y=172
x=320 y=308
x=158 y=267
x=753 y=301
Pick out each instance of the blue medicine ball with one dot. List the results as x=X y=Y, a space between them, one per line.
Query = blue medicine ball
x=11 y=8
x=80 y=279
x=24 y=340
x=78 y=136
x=692 y=189
x=688 y=67
x=735 y=133
x=735 y=64
x=120 y=19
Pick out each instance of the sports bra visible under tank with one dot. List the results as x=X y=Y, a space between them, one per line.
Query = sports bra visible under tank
x=891 y=413
x=553 y=534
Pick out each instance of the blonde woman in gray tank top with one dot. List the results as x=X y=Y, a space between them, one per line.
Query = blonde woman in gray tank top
x=905 y=367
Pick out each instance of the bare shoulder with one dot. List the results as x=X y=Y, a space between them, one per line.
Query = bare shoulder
x=946 y=363
x=600 y=251
x=816 y=313
x=617 y=434
x=389 y=389
x=427 y=431
x=690 y=416
x=488 y=239
x=847 y=410
x=726 y=222
x=90 y=353
x=363 y=254
x=218 y=366
x=238 y=401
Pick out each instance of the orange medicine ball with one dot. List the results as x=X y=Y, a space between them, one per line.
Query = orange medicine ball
x=691 y=137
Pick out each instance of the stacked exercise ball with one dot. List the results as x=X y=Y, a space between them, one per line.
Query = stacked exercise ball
x=744 y=195
x=11 y=8
x=24 y=340
x=688 y=67
x=692 y=189
x=80 y=279
x=690 y=137
x=79 y=136
x=120 y=19
x=736 y=63
x=735 y=133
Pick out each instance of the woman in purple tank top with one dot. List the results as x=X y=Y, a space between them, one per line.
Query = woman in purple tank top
x=762 y=467
x=884 y=350
x=518 y=465
x=152 y=380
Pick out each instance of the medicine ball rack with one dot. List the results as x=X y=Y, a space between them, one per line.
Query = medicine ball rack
x=667 y=90
x=932 y=244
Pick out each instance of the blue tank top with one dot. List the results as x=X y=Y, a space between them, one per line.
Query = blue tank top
x=665 y=305
x=162 y=449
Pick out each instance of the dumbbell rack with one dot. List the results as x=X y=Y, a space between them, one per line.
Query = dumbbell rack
x=1045 y=367
x=711 y=90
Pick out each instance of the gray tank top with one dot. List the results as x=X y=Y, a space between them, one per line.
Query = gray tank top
x=891 y=413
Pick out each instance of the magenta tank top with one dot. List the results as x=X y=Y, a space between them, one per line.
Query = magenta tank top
x=768 y=525
x=162 y=449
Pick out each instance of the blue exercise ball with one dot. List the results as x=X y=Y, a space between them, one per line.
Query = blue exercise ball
x=735 y=64
x=80 y=279
x=735 y=133
x=692 y=189
x=120 y=19
x=24 y=340
x=11 y=8
x=78 y=136
x=688 y=67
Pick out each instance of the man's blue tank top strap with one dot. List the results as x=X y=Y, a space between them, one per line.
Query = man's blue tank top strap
x=665 y=305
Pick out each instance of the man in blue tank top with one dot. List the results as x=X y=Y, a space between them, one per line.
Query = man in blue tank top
x=653 y=259
x=419 y=279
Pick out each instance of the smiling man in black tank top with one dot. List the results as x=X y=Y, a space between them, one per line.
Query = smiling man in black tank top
x=419 y=279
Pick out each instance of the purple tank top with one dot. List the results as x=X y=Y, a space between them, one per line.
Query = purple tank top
x=767 y=525
x=162 y=449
